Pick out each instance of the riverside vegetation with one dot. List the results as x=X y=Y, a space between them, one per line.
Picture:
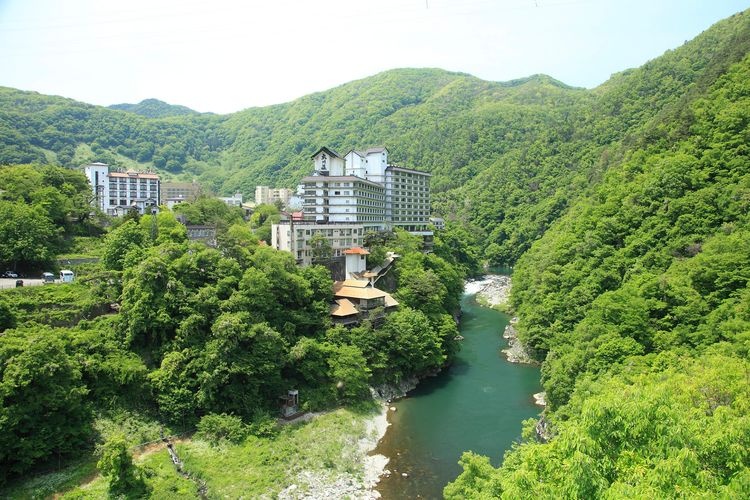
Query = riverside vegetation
x=200 y=338
x=623 y=210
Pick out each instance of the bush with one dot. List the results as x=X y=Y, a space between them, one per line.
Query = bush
x=125 y=478
x=216 y=428
x=7 y=318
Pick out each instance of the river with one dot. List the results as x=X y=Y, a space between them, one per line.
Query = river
x=477 y=404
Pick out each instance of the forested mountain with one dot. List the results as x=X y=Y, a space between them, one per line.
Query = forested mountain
x=154 y=108
x=624 y=208
x=508 y=157
x=637 y=298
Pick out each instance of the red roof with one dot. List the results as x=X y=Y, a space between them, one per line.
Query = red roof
x=356 y=251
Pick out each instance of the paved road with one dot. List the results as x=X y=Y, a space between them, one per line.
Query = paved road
x=11 y=282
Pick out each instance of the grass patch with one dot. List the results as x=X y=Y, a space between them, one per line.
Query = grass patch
x=46 y=484
x=80 y=478
x=83 y=247
x=257 y=467
x=138 y=427
x=327 y=445
x=161 y=475
x=55 y=305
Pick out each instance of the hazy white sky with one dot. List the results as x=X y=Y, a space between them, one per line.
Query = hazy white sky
x=223 y=55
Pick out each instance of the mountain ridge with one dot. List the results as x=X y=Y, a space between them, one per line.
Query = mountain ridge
x=509 y=157
x=154 y=108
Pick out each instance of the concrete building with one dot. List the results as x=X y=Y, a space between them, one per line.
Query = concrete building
x=328 y=162
x=262 y=195
x=116 y=193
x=269 y=196
x=342 y=199
x=283 y=195
x=406 y=192
x=407 y=200
x=359 y=190
x=233 y=201
x=173 y=193
x=438 y=223
x=206 y=234
x=369 y=164
x=295 y=237
x=355 y=260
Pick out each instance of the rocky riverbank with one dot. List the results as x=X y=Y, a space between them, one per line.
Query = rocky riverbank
x=492 y=291
x=516 y=352
x=389 y=393
x=321 y=485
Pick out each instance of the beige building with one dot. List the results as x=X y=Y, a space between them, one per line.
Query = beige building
x=295 y=237
x=268 y=195
x=173 y=193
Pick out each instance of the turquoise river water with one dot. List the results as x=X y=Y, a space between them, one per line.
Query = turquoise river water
x=477 y=404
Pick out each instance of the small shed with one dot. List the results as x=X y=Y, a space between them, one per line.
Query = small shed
x=290 y=403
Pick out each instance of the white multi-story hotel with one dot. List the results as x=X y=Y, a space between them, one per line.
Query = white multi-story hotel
x=385 y=196
x=342 y=199
x=361 y=191
x=407 y=199
x=116 y=193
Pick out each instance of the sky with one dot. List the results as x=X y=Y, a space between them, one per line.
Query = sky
x=223 y=56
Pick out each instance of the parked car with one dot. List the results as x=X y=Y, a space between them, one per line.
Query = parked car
x=10 y=274
x=48 y=277
x=19 y=283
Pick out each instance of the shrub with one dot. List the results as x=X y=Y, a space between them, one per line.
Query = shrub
x=215 y=428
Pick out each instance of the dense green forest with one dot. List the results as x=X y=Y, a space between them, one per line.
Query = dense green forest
x=154 y=108
x=624 y=210
x=636 y=300
x=42 y=207
x=196 y=337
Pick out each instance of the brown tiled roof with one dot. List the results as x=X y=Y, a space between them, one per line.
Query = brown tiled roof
x=134 y=175
x=343 y=307
x=350 y=282
x=390 y=301
x=356 y=251
x=351 y=292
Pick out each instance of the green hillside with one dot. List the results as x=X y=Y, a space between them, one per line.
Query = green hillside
x=636 y=299
x=506 y=156
x=623 y=208
x=154 y=108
